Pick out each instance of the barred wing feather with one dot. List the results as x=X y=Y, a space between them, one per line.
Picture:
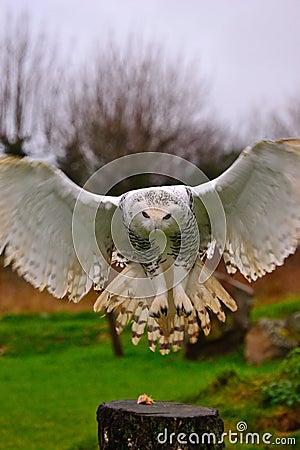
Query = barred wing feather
x=36 y=210
x=260 y=194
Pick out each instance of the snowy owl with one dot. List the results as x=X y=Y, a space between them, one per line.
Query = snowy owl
x=66 y=239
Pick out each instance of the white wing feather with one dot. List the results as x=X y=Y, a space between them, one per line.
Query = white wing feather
x=260 y=194
x=36 y=220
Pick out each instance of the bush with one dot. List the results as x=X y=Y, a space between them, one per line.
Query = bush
x=285 y=391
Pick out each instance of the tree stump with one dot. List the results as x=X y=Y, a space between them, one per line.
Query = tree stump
x=163 y=425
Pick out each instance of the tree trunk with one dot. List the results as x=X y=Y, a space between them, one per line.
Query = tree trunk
x=116 y=341
x=163 y=425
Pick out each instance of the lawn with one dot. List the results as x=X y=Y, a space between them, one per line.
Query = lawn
x=57 y=368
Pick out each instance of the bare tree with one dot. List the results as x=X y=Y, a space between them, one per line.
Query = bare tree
x=287 y=122
x=283 y=122
x=27 y=73
x=136 y=99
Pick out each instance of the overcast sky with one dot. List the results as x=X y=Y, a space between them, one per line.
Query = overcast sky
x=248 y=49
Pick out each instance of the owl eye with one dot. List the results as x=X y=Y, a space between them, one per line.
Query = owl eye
x=167 y=216
x=145 y=215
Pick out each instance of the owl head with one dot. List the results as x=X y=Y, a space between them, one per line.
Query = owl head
x=155 y=209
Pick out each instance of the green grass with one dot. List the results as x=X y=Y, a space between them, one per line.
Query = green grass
x=56 y=369
x=276 y=310
x=44 y=333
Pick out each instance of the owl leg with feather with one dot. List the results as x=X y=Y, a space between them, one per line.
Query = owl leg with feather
x=160 y=304
x=182 y=302
x=161 y=281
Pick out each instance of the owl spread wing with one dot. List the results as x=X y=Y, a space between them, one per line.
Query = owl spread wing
x=260 y=194
x=38 y=228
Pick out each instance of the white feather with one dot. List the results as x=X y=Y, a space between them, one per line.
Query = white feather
x=260 y=194
x=36 y=210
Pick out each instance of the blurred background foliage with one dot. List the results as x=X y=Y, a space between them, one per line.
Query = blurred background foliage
x=119 y=101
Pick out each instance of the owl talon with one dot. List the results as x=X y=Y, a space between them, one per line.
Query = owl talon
x=181 y=311
x=164 y=311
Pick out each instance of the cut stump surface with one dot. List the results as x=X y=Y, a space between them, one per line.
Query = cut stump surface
x=123 y=424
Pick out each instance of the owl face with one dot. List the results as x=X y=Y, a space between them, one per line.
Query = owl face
x=161 y=210
x=151 y=218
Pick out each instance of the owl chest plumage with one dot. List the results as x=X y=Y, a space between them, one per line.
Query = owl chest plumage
x=179 y=247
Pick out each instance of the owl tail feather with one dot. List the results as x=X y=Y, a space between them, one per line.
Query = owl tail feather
x=167 y=331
